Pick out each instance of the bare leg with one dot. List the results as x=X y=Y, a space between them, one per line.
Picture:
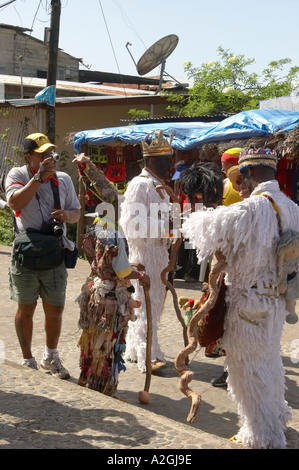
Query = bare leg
x=53 y=322
x=24 y=327
x=51 y=361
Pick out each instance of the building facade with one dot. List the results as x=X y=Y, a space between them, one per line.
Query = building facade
x=25 y=56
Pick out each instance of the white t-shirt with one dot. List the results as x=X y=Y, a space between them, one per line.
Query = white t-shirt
x=38 y=210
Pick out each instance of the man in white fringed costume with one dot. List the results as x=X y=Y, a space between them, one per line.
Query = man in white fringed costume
x=247 y=233
x=148 y=243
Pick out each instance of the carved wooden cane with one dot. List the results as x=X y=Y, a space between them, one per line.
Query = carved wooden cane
x=171 y=265
x=143 y=396
x=217 y=267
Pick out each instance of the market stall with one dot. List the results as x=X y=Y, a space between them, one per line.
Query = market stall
x=117 y=150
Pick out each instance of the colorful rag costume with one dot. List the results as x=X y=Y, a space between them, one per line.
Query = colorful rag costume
x=105 y=301
x=106 y=306
x=247 y=233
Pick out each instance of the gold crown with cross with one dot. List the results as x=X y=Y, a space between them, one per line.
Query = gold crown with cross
x=156 y=144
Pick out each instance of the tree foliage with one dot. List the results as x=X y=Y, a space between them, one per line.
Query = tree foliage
x=139 y=113
x=227 y=86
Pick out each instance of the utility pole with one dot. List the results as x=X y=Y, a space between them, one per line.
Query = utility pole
x=52 y=64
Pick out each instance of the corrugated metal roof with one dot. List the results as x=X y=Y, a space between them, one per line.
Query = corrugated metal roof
x=21 y=103
x=86 y=76
x=72 y=86
x=202 y=118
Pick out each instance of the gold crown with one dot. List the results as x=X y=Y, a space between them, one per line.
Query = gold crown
x=157 y=146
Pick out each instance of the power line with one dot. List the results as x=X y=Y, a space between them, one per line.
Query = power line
x=112 y=47
x=128 y=22
x=23 y=55
x=35 y=15
x=7 y=3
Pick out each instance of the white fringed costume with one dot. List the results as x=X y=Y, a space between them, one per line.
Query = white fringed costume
x=153 y=254
x=246 y=233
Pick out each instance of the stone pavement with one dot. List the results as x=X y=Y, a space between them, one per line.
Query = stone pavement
x=38 y=411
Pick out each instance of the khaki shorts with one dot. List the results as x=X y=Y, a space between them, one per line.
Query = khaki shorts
x=27 y=286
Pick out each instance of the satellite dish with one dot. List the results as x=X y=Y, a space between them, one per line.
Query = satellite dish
x=157 y=54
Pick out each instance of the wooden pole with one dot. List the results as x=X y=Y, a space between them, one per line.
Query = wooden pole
x=52 y=64
x=148 y=339
x=81 y=221
x=143 y=395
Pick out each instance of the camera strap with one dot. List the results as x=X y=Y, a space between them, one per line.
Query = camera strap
x=55 y=190
x=54 y=187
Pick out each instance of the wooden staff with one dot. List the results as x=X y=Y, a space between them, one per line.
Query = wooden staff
x=172 y=263
x=218 y=264
x=144 y=396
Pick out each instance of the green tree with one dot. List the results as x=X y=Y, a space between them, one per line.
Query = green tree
x=6 y=225
x=227 y=86
x=139 y=113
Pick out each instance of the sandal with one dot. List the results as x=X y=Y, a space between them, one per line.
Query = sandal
x=234 y=439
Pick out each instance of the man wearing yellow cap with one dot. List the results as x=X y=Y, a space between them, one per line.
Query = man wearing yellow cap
x=228 y=159
x=247 y=235
x=29 y=192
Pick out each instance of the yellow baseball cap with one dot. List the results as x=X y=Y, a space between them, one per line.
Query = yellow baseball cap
x=38 y=143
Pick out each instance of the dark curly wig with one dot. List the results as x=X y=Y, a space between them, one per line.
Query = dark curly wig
x=205 y=178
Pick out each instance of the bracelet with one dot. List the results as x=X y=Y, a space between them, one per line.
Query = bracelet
x=38 y=177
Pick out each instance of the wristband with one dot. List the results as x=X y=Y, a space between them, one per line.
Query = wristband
x=38 y=177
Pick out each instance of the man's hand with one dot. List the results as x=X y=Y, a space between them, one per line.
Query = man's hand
x=62 y=215
x=47 y=168
x=137 y=267
x=145 y=280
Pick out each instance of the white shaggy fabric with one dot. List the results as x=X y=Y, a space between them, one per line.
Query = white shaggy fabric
x=246 y=233
x=153 y=254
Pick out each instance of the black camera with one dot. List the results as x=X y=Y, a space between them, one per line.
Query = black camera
x=52 y=227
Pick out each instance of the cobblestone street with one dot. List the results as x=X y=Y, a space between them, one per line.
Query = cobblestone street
x=38 y=410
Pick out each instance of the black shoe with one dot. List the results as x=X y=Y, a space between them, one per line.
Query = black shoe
x=191 y=279
x=220 y=381
x=178 y=275
x=213 y=355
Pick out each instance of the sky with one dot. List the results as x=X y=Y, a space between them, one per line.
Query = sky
x=97 y=31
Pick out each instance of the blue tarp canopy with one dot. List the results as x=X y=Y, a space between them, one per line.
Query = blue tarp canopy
x=189 y=135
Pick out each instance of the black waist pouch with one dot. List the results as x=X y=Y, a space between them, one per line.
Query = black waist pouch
x=70 y=257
